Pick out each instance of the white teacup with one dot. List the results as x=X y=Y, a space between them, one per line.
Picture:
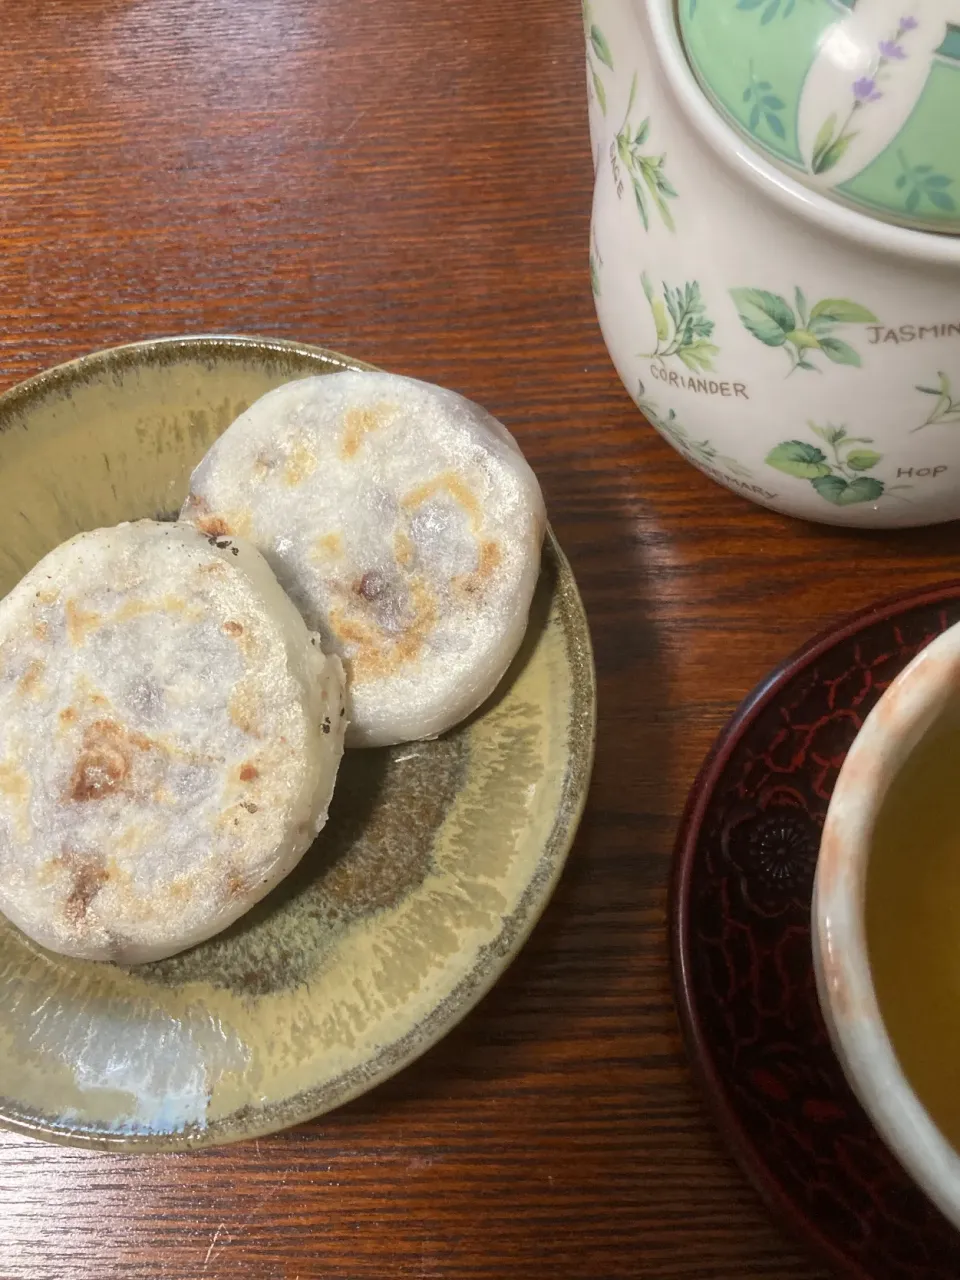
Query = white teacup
x=924 y=697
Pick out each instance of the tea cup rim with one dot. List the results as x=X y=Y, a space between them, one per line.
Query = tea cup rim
x=905 y=714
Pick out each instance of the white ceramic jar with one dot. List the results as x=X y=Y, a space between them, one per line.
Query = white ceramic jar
x=800 y=353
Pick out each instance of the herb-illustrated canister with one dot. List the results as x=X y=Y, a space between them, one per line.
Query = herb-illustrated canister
x=759 y=302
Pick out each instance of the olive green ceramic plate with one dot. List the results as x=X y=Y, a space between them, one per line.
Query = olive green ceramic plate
x=435 y=864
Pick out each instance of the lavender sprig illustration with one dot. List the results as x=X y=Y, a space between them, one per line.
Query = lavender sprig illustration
x=832 y=141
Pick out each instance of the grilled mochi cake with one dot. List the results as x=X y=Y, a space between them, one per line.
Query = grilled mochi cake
x=406 y=526
x=170 y=734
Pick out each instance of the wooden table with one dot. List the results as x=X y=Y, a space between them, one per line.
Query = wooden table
x=409 y=181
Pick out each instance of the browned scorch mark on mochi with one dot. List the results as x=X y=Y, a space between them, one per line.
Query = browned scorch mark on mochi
x=233 y=628
x=198 y=511
x=88 y=875
x=359 y=422
x=447 y=482
x=237 y=885
x=249 y=773
x=300 y=465
x=14 y=781
x=29 y=682
x=327 y=547
x=79 y=622
x=374 y=652
x=472 y=583
x=105 y=760
x=214 y=527
x=403 y=548
x=245 y=711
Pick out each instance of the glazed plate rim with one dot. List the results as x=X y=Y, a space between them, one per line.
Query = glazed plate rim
x=495 y=957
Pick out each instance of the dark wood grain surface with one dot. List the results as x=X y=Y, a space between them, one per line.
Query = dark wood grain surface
x=409 y=181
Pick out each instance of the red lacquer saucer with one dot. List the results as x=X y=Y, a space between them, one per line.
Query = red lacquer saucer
x=743 y=880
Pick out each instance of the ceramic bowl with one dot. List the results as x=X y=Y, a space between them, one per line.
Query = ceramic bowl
x=918 y=700
x=858 y=101
x=436 y=862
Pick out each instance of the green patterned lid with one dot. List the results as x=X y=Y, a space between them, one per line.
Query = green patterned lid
x=859 y=99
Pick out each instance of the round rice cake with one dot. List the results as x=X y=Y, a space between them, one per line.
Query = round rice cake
x=170 y=734
x=406 y=525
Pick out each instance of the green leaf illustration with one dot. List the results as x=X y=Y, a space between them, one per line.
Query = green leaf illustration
x=674 y=303
x=638 y=196
x=863 y=489
x=801 y=302
x=841 y=311
x=833 y=154
x=946 y=408
x=823 y=140
x=682 y=325
x=844 y=493
x=831 y=487
x=797 y=458
x=655 y=187
x=924 y=184
x=803 y=339
x=699 y=356
x=660 y=319
x=766 y=315
x=834 y=478
x=863 y=459
x=839 y=352
x=600 y=46
x=831 y=434
x=646 y=172
x=600 y=91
